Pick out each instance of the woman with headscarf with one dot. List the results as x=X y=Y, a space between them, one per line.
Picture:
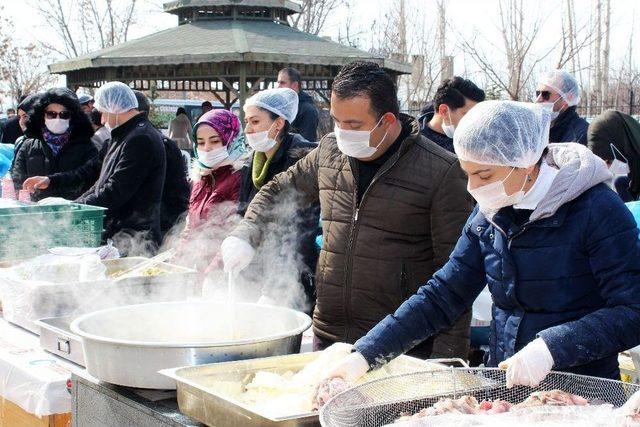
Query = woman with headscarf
x=219 y=145
x=615 y=137
x=58 y=139
x=557 y=247
x=216 y=184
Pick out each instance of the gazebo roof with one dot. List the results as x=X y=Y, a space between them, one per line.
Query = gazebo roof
x=290 y=6
x=215 y=41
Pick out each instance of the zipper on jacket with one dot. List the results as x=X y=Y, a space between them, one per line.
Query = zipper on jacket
x=403 y=282
x=353 y=232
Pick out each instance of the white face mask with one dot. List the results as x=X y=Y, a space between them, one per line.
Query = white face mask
x=493 y=197
x=448 y=129
x=260 y=141
x=212 y=158
x=552 y=105
x=57 y=126
x=355 y=143
x=618 y=167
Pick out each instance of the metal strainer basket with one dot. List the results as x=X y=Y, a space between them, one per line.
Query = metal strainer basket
x=381 y=402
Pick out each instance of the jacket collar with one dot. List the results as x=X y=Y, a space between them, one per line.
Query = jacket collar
x=502 y=222
x=124 y=129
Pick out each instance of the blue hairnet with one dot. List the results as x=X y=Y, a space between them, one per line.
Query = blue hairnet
x=115 y=98
x=280 y=101
x=503 y=133
x=564 y=84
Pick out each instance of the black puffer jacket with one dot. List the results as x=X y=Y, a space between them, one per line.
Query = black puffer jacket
x=306 y=122
x=131 y=181
x=569 y=127
x=35 y=157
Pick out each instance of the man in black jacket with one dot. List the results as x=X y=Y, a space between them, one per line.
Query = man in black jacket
x=560 y=89
x=133 y=171
x=176 y=191
x=306 y=122
x=453 y=99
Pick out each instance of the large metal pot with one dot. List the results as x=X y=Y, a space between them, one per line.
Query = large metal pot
x=129 y=345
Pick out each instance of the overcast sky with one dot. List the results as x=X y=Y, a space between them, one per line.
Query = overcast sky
x=465 y=17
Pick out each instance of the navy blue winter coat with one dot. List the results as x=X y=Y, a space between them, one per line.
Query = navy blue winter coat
x=572 y=279
x=569 y=127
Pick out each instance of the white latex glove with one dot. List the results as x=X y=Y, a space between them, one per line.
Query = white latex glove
x=632 y=406
x=530 y=365
x=54 y=201
x=236 y=254
x=350 y=368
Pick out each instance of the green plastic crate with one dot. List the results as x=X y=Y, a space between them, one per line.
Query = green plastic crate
x=30 y=230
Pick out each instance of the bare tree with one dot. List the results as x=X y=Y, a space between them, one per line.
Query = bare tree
x=574 y=38
x=314 y=14
x=86 y=25
x=605 y=54
x=22 y=68
x=518 y=35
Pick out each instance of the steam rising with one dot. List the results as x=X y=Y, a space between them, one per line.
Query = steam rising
x=276 y=268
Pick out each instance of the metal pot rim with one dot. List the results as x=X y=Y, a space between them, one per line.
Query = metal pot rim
x=75 y=328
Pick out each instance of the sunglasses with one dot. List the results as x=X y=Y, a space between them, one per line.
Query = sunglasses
x=64 y=115
x=544 y=93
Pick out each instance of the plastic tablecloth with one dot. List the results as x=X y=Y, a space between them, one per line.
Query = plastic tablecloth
x=30 y=377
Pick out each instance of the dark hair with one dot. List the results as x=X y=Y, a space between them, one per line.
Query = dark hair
x=11 y=110
x=287 y=126
x=27 y=102
x=96 y=117
x=79 y=121
x=452 y=92
x=143 y=102
x=294 y=75
x=368 y=79
x=181 y=110
x=207 y=104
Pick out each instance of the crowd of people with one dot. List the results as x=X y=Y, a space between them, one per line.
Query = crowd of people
x=416 y=216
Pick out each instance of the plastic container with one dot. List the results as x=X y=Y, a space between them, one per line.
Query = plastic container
x=29 y=230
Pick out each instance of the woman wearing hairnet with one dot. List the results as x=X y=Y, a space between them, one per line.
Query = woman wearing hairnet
x=268 y=118
x=557 y=248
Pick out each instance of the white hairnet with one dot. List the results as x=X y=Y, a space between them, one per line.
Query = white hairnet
x=281 y=101
x=115 y=98
x=564 y=84
x=503 y=133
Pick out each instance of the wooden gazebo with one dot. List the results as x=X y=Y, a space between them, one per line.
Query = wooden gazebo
x=230 y=48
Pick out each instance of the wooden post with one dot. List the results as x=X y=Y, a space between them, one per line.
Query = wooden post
x=242 y=86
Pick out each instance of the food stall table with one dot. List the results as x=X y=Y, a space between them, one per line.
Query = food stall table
x=98 y=404
x=33 y=383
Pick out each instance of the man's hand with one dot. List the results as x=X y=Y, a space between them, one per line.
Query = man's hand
x=36 y=183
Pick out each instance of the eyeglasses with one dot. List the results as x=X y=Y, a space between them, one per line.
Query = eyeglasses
x=544 y=93
x=64 y=115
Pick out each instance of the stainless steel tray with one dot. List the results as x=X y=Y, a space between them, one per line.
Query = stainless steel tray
x=57 y=338
x=24 y=303
x=199 y=398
